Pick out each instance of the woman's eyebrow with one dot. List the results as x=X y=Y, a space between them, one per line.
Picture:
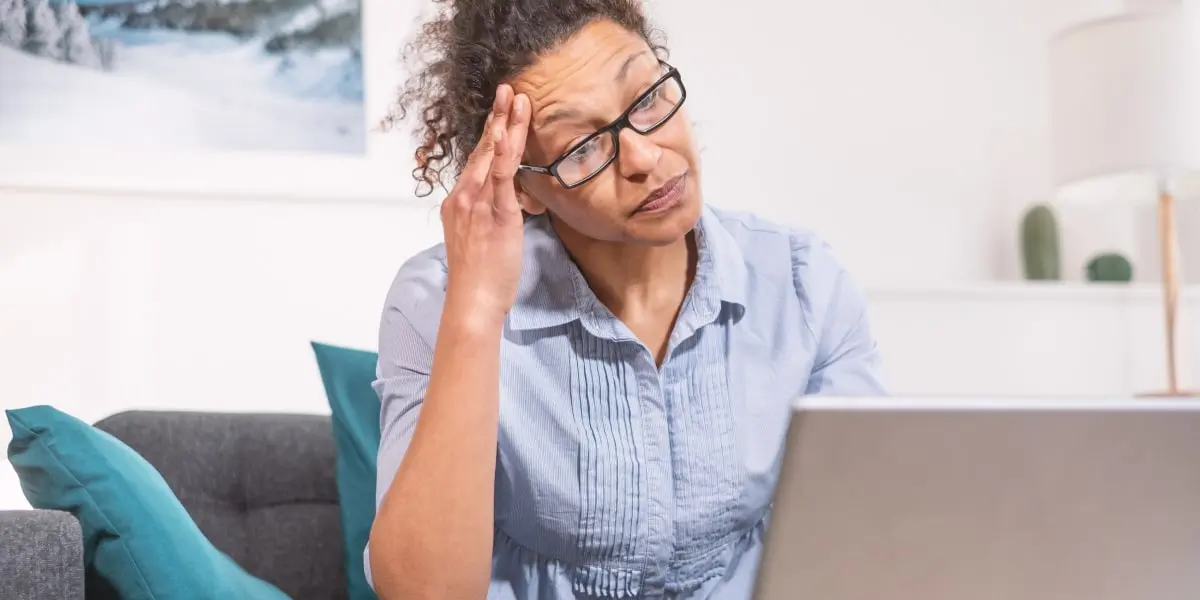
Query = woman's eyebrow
x=558 y=114
x=624 y=71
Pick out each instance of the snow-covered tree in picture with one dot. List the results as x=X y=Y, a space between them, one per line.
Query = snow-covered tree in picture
x=42 y=33
x=106 y=51
x=12 y=23
x=76 y=43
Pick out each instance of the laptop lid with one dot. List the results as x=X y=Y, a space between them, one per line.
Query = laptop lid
x=977 y=499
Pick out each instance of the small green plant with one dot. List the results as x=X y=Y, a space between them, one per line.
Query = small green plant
x=1110 y=267
x=1039 y=244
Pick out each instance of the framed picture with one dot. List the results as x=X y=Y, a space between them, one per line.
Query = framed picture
x=228 y=98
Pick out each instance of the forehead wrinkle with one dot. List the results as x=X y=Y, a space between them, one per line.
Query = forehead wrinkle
x=567 y=68
x=549 y=105
x=570 y=112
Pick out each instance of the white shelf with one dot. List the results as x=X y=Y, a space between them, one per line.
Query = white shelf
x=1022 y=290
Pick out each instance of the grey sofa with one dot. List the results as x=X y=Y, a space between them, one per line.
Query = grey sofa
x=260 y=486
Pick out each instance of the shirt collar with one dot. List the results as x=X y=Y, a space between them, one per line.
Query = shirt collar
x=720 y=259
x=546 y=295
x=552 y=290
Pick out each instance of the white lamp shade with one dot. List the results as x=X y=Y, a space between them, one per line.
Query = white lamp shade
x=1125 y=102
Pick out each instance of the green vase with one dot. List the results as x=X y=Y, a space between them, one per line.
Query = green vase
x=1039 y=244
x=1110 y=267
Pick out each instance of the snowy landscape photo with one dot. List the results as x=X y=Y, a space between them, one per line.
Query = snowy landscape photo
x=183 y=75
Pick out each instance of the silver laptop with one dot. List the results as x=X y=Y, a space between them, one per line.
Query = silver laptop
x=945 y=499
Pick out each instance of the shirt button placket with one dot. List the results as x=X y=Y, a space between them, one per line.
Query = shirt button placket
x=659 y=487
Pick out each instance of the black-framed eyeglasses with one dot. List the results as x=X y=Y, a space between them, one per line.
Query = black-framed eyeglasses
x=585 y=160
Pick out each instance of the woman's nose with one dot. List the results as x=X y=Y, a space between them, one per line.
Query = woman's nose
x=639 y=154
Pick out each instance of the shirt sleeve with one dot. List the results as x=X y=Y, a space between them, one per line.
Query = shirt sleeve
x=848 y=361
x=407 y=333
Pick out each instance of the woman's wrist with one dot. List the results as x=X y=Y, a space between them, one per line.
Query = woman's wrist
x=476 y=314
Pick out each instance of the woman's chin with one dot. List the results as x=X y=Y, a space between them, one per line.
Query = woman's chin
x=665 y=227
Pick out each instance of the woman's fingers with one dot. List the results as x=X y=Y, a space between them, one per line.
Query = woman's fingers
x=479 y=163
x=508 y=155
x=492 y=166
x=518 y=130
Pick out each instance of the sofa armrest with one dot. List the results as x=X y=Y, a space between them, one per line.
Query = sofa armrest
x=41 y=555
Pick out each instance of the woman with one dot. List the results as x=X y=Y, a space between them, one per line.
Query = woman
x=585 y=389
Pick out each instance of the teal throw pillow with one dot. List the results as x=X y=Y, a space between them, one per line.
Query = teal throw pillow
x=347 y=374
x=138 y=540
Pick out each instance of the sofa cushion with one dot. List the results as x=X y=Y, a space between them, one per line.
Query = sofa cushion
x=260 y=486
x=138 y=540
x=41 y=555
x=347 y=374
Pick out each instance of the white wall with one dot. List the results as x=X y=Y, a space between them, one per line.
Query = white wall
x=909 y=133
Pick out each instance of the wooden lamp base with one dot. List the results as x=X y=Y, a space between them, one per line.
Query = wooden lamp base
x=1170 y=277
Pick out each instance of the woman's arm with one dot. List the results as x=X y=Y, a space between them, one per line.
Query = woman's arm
x=848 y=361
x=433 y=532
x=432 y=535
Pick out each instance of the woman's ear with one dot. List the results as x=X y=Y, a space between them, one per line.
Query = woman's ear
x=529 y=204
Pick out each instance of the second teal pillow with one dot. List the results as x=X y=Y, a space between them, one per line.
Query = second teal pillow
x=347 y=374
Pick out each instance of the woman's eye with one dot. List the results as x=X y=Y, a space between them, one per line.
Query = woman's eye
x=584 y=152
x=648 y=101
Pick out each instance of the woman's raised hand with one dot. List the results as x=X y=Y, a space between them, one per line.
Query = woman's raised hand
x=482 y=219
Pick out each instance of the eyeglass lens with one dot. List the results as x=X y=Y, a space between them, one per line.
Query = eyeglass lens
x=651 y=110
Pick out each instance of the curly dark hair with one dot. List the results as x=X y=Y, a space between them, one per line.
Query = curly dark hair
x=470 y=47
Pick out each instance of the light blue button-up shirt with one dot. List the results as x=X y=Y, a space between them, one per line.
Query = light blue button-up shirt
x=617 y=478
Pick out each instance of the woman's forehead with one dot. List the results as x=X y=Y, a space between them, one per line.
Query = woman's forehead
x=598 y=63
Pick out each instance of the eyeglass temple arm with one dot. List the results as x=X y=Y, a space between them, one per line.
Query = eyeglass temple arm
x=533 y=169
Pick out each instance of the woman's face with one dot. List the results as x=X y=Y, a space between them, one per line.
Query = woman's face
x=650 y=194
